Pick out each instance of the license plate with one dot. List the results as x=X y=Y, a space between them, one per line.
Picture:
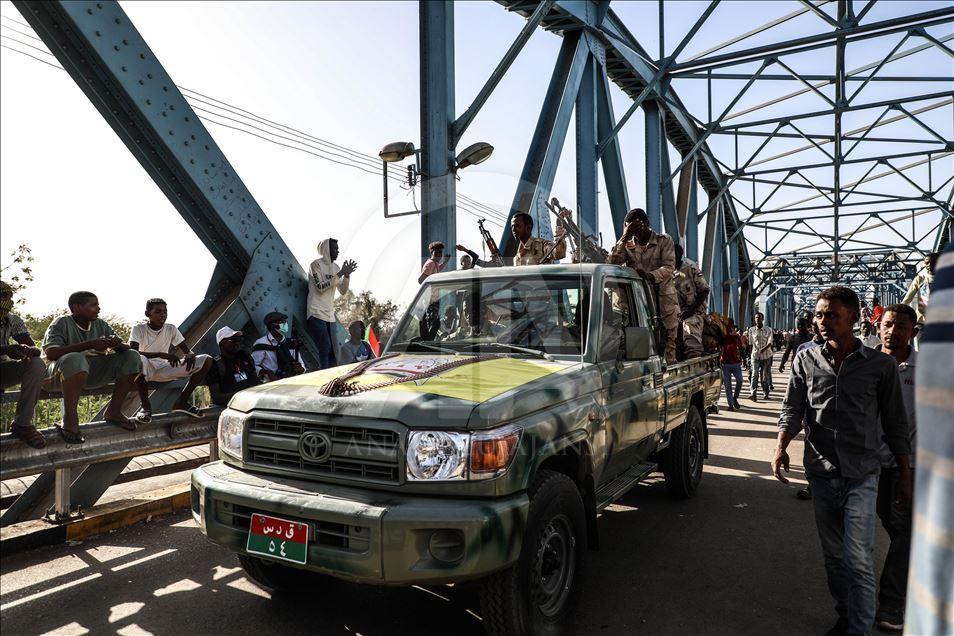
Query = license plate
x=278 y=538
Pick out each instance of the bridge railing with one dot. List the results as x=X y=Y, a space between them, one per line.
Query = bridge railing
x=104 y=443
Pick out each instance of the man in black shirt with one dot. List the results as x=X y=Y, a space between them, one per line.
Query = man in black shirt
x=232 y=371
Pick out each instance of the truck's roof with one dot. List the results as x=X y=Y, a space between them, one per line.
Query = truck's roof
x=536 y=271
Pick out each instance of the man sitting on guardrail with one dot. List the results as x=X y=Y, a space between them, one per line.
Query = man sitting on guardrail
x=20 y=364
x=84 y=352
x=232 y=371
x=155 y=340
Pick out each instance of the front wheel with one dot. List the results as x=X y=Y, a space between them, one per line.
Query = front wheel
x=538 y=594
x=682 y=460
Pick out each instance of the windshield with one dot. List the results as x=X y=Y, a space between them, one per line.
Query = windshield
x=507 y=315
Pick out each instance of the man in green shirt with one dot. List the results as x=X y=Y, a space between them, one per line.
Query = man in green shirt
x=84 y=352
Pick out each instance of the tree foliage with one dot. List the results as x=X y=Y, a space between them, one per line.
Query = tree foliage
x=19 y=271
x=380 y=315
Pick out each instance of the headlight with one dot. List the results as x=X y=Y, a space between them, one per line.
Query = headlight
x=442 y=455
x=437 y=455
x=231 y=430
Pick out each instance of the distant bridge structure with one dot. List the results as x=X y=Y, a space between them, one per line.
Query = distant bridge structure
x=788 y=200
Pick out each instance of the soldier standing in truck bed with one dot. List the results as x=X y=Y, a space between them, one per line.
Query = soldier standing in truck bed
x=693 y=293
x=533 y=250
x=654 y=258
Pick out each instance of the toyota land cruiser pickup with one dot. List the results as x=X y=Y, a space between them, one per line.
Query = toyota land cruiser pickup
x=508 y=409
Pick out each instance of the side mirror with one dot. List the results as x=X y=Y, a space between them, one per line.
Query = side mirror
x=637 y=343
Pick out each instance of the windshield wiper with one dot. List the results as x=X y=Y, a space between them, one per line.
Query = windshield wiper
x=423 y=345
x=512 y=347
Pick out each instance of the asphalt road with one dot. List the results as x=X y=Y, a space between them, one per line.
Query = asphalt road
x=740 y=558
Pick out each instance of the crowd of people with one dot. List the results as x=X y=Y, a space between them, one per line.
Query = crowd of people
x=853 y=394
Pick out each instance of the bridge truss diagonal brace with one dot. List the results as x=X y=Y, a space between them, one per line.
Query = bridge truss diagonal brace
x=539 y=169
x=110 y=61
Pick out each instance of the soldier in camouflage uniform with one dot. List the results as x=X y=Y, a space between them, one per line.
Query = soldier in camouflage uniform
x=693 y=291
x=533 y=250
x=653 y=257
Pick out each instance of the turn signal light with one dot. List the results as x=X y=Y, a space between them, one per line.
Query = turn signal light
x=492 y=454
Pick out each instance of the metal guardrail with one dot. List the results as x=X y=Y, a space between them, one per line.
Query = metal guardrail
x=104 y=442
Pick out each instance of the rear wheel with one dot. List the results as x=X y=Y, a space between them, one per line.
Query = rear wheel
x=538 y=594
x=278 y=577
x=683 y=459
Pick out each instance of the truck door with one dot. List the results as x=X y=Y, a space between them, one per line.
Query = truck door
x=628 y=389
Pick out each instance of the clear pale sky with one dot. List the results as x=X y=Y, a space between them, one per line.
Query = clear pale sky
x=345 y=72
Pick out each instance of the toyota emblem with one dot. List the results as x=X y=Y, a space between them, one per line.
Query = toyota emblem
x=314 y=447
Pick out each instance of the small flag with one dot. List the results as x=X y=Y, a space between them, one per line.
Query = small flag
x=373 y=341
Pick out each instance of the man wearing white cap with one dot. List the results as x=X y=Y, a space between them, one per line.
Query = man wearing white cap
x=233 y=371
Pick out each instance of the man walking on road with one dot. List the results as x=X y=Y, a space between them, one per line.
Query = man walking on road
x=850 y=398
x=897 y=327
x=760 y=338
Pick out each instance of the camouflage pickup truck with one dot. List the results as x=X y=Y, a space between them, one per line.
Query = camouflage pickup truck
x=508 y=409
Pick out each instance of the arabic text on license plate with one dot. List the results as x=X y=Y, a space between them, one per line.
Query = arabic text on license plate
x=278 y=538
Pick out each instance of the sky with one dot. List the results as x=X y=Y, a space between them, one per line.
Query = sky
x=342 y=72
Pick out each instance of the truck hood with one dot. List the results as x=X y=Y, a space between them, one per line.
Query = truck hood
x=478 y=394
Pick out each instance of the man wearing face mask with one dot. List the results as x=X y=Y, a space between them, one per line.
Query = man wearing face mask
x=276 y=355
x=232 y=371
x=324 y=277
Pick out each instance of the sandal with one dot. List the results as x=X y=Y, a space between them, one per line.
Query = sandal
x=70 y=437
x=143 y=416
x=29 y=435
x=189 y=410
x=123 y=424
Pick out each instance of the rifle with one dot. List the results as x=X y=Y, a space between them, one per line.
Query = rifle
x=586 y=248
x=491 y=244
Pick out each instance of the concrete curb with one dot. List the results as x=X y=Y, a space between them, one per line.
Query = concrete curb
x=97 y=520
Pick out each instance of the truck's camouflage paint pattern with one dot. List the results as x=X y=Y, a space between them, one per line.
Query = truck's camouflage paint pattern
x=598 y=417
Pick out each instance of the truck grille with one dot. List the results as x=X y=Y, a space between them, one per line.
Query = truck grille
x=366 y=450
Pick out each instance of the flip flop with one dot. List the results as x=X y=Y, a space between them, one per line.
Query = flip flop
x=123 y=424
x=143 y=416
x=189 y=410
x=29 y=435
x=70 y=437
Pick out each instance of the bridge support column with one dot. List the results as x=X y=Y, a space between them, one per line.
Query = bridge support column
x=438 y=182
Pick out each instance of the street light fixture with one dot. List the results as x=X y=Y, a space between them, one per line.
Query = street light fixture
x=473 y=154
x=401 y=150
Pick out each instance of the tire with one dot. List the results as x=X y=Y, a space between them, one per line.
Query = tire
x=683 y=459
x=277 y=577
x=538 y=594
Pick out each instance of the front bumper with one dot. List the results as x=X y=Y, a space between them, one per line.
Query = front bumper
x=364 y=535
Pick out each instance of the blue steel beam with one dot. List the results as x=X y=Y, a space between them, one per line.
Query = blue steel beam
x=438 y=183
x=611 y=157
x=654 y=166
x=586 y=159
x=542 y=160
x=105 y=54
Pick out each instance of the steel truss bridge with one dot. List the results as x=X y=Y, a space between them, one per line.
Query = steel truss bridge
x=811 y=170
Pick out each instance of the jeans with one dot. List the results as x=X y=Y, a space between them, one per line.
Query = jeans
x=845 y=513
x=29 y=374
x=760 y=373
x=897 y=523
x=323 y=333
x=728 y=372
